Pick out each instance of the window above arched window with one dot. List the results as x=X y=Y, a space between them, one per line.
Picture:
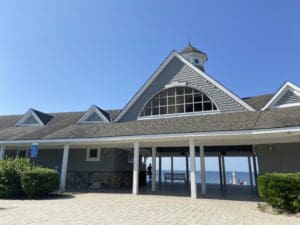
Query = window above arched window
x=178 y=100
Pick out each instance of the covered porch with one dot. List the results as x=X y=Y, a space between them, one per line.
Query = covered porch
x=189 y=146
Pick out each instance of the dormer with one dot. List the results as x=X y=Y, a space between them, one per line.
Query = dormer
x=287 y=96
x=95 y=115
x=194 y=56
x=34 y=118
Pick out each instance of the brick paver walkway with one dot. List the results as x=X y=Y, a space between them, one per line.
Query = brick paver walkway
x=105 y=208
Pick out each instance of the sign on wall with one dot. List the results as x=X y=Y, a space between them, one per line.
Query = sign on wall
x=34 y=150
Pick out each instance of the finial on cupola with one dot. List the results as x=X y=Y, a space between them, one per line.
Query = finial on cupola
x=194 y=55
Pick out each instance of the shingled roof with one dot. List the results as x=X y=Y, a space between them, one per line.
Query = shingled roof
x=63 y=125
x=258 y=102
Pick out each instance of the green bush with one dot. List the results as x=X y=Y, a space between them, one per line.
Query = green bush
x=10 y=173
x=39 y=182
x=281 y=190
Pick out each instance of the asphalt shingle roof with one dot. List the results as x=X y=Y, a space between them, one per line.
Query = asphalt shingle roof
x=258 y=102
x=63 y=125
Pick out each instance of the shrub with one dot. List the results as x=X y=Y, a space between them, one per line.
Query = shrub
x=281 y=190
x=39 y=181
x=10 y=173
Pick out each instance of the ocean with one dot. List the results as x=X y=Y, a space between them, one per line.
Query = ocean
x=212 y=177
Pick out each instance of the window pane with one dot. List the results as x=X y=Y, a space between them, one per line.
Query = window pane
x=164 y=93
x=155 y=102
x=155 y=111
x=179 y=91
x=188 y=90
x=148 y=112
x=205 y=98
x=214 y=107
x=163 y=110
x=163 y=101
x=171 y=92
x=171 y=109
x=179 y=100
x=198 y=107
x=188 y=98
x=179 y=109
x=171 y=100
x=197 y=97
x=207 y=106
x=189 y=108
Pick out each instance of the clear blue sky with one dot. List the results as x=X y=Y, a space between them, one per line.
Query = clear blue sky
x=67 y=55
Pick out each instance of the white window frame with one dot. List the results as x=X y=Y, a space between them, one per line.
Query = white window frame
x=29 y=113
x=91 y=110
x=26 y=152
x=93 y=159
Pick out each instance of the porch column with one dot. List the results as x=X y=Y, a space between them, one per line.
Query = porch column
x=224 y=170
x=135 y=182
x=187 y=168
x=153 y=168
x=193 y=169
x=250 y=171
x=64 y=168
x=2 y=152
x=202 y=163
x=220 y=170
x=255 y=168
x=172 y=169
x=159 y=169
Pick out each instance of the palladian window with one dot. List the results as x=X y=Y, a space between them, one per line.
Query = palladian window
x=178 y=100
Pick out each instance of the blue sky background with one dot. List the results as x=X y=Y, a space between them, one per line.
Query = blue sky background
x=67 y=55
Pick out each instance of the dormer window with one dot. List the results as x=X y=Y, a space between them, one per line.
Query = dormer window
x=34 y=118
x=94 y=115
x=178 y=100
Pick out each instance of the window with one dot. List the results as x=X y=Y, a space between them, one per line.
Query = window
x=178 y=100
x=130 y=157
x=196 y=61
x=93 y=154
x=94 y=117
x=22 y=153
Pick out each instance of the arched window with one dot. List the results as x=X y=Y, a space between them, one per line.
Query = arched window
x=178 y=100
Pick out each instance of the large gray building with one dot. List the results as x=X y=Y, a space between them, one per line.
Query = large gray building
x=179 y=111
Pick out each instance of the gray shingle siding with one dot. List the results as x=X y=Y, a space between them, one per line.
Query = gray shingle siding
x=176 y=70
x=287 y=98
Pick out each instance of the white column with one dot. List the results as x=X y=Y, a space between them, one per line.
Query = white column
x=64 y=167
x=250 y=171
x=193 y=169
x=172 y=169
x=153 y=168
x=2 y=152
x=135 y=182
x=202 y=163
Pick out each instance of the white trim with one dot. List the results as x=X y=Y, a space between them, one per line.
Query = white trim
x=29 y=113
x=176 y=84
x=282 y=90
x=92 y=159
x=162 y=66
x=286 y=130
x=164 y=116
x=91 y=110
x=288 y=105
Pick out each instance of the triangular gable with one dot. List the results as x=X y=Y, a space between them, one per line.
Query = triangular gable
x=173 y=55
x=94 y=115
x=34 y=118
x=288 y=95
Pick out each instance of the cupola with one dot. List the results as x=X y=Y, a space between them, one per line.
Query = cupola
x=195 y=56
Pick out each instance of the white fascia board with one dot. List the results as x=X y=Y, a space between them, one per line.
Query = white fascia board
x=287 y=131
x=25 y=117
x=146 y=85
x=216 y=83
x=92 y=109
x=286 y=86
